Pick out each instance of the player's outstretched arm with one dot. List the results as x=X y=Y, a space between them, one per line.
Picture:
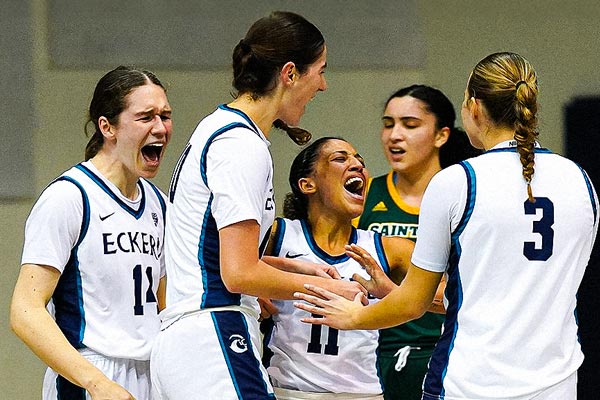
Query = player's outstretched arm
x=243 y=272
x=408 y=301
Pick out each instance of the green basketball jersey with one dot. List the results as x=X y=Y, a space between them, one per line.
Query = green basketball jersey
x=385 y=212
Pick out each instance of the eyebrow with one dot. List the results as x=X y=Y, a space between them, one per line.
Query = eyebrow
x=401 y=118
x=152 y=111
x=344 y=152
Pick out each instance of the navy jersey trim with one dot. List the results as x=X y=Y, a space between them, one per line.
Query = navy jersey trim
x=242 y=114
x=278 y=236
x=212 y=137
x=377 y=239
x=68 y=295
x=161 y=200
x=68 y=391
x=438 y=364
x=96 y=179
x=177 y=172
x=215 y=293
x=314 y=247
x=590 y=188
x=236 y=346
x=540 y=150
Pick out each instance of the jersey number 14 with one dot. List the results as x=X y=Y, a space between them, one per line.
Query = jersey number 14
x=138 y=281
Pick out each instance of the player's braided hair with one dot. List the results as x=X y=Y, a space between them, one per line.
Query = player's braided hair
x=507 y=85
x=295 y=204
x=298 y=135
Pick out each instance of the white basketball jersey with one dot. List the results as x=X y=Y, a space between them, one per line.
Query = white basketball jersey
x=223 y=176
x=109 y=251
x=514 y=268
x=314 y=358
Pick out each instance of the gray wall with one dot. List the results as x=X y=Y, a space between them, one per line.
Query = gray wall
x=560 y=40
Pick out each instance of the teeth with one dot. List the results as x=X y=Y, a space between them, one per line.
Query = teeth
x=155 y=145
x=354 y=185
x=396 y=151
x=352 y=180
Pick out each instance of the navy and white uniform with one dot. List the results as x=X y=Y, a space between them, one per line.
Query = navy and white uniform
x=513 y=270
x=319 y=359
x=109 y=251
x=210 y=339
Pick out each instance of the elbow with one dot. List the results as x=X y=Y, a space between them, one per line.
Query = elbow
x=416 y=311
x=234 y=283
x=15 y=320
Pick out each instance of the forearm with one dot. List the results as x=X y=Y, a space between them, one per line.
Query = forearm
x=38 y=330
x=405 y=303
x=283 y=264
x=266 y=281
x=378 y=315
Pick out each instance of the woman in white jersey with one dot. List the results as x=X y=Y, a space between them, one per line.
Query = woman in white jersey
x=328 y=180
x=94 y=247
x=513 y=230
x=220 y=213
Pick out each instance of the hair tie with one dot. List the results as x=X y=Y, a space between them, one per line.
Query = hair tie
x=519 y=84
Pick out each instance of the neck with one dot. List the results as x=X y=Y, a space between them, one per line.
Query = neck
x=494 y=135
x=261 y=111
x=411 y=185
x=331 y=235
x=117 y=174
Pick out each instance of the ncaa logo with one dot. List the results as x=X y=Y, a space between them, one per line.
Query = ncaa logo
x=155 y=218
x=237 y=343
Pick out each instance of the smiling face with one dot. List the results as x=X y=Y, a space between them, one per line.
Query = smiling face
x=142 y=131
x=339 y=179
x=410 y=137
x=304 y=88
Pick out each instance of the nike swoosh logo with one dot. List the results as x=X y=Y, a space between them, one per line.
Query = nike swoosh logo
x=106 y=216
x=288 y=255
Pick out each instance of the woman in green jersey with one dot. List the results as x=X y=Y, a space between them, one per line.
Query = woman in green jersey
x=419 y=139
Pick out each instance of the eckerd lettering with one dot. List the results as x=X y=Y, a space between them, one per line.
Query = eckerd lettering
x=131 y=242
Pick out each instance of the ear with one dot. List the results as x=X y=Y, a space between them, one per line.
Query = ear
x=442 y=136
x=288 y=73
x=106 y=128
x=474 y=106
x=307 y=185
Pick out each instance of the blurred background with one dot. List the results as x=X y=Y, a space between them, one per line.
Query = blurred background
x=52 y=53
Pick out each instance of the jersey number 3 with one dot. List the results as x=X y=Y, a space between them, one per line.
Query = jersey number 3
x=543 y=227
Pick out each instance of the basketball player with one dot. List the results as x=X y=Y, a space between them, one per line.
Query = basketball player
x=328 y=183
x=94 y=248
x=220 y=212
x=419 y=138
x=513 y=229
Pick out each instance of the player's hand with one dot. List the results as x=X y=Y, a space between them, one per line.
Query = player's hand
x=335 y=310
x=347 y=289
x=327 y=271
x=323 y=270
x=105 y=389
x=380 y=284
x=267 y=308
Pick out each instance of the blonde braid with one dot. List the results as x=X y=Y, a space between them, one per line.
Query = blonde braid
x=525 y=129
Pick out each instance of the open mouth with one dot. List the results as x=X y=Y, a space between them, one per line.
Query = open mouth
x=397 y=151
x=152 y=152
x=355 y=185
